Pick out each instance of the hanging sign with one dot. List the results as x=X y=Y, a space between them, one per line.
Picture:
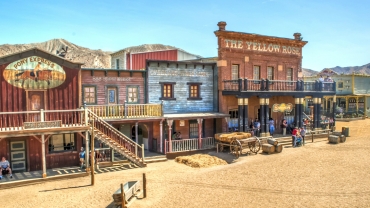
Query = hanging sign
x=282 y=107
x=34 y=73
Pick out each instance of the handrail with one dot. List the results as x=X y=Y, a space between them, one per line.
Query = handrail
x=118 y=136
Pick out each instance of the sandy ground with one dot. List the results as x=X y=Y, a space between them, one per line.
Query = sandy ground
x=316 y=175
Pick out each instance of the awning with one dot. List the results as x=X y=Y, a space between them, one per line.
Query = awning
x=195 y=115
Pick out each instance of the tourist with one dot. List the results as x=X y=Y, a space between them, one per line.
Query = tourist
x=294 y=135
x=5 y=166
x=178 y=135
x=302 y=132
x=256 y=127
x=272 y=127
x=284 y=125
x=82 y=157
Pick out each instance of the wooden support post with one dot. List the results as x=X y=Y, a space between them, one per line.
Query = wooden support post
x=92 y=154
x=144 y=185
x=123 y=204
x=43 y=156
x=142 y=152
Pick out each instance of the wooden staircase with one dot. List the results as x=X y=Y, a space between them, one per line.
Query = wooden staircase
x=116 y=140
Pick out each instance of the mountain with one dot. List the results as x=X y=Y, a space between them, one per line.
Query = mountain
x=309 y=72
x=75 y=53
x=365 y=69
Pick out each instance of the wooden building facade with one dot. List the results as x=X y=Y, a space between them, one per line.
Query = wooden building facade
x=36 y=87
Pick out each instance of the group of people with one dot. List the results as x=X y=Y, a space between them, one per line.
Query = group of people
x=298 y=135
x=328 y=79
x=176 y=135
x=5 y=168
x=256 y=125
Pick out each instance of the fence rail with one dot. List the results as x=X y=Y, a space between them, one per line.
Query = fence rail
x=117 y=111
x=190 y=144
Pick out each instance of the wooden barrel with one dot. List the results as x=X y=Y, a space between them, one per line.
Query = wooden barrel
x=342 y=138
x=278 y=148
x=337 y=133
x=272 y=141
x=268 y=148
x=334 y=139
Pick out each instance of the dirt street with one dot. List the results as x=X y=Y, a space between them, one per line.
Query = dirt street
x=316 y=175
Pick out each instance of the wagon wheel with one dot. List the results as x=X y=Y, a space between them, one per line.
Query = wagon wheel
x=235 y=148
x=255 y=146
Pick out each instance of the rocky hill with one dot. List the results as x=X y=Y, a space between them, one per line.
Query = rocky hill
x=75 y=53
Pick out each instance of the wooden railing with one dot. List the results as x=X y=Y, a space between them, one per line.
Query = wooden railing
x=119 y=111
x=15 y=121
x=190 y=144
x=115 y=135
x=241 y=85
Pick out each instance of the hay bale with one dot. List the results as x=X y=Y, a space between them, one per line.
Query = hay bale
x=272 y=141
x=337 y=133
x=200 y=160
x=278 y=148
x=334 y=139
x=342 y=138
x=268 y=148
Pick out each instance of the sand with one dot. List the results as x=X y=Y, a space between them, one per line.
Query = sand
x=318 y=174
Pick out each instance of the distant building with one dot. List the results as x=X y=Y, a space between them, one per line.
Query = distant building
x=133 y=58
x=352 y=93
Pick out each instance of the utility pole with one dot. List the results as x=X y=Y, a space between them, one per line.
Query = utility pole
x=92 y=168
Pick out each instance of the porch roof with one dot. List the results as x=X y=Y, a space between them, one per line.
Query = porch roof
x=195 y=115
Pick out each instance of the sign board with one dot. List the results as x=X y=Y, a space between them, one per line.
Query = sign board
x=182 y=123
x=42 y=124
x=282 y=107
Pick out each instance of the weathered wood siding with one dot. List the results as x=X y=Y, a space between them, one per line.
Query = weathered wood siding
x=182 y=73
x=103 y=79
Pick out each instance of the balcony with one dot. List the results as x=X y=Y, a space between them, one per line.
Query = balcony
x=276 y=87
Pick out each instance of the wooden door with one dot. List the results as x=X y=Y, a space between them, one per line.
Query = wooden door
x=18 y=156
x=36 y=102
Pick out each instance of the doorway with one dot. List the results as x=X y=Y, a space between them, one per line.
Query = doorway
x=18 y=155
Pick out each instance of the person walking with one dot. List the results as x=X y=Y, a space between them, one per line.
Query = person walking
x=284 y=125
x=272 y=127
x=302 y=131
x=82 y=157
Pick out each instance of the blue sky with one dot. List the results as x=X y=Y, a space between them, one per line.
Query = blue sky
x=337 y=31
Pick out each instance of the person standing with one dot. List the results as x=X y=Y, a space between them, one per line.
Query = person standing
x=256 y=126
x=272 y=127
x=284 y=125
x=302 y=131
x=82 y=157
x=294 y=134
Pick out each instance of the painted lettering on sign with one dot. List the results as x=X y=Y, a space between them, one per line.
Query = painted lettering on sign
x=42 y=124
x=179 y=73
x=259 y=46
x=34 y=73
x=283 y=107
x=111 y=79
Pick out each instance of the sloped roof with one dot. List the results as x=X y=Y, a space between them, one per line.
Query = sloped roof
x=149 y=48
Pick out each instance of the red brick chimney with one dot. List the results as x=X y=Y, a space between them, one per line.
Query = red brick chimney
x=297 y=36
x=221 y=26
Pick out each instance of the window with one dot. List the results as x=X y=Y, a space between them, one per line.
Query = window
x=234 y=72
x=194 y=91
x=167 y=91
x=132 y=94
x=340 y=85
x=270 y=73
x=89 y=94
x=62 y=142
x=193 y=129
x=289 y=76
x=256 y=72
x=117 y=63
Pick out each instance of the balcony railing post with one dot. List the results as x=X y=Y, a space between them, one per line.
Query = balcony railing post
x=245 y=84
x=334 y=86
x=316 y=85
x=240 y=82
x=297 y=87
x=161 y=108
x=125 y=108
x=267 y=85
x=320 y=86
x=86 y=115
x=42 y=115
x=262 y=84
x=302 y=85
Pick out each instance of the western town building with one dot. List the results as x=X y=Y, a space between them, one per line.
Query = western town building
x=259 y=77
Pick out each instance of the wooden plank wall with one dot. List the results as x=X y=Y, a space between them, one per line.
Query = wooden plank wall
x=62 y=97
x=102 y=80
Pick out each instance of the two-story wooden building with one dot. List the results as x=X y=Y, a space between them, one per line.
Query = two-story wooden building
x=40 y=119
x=259 y=78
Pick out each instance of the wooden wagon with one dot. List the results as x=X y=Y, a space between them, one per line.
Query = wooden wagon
x=237 y=141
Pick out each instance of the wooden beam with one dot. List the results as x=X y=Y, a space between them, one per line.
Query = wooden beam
x=83 y=136
x=36 y=137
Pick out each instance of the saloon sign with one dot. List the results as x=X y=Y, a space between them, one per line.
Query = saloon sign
x=260 y=46
x=34 y=73
x=283 y=107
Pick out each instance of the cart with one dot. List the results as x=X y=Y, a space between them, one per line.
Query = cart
x=238 y=142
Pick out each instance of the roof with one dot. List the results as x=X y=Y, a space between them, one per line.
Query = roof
x=149 y=48
x=38 y=52
x=195 y=115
